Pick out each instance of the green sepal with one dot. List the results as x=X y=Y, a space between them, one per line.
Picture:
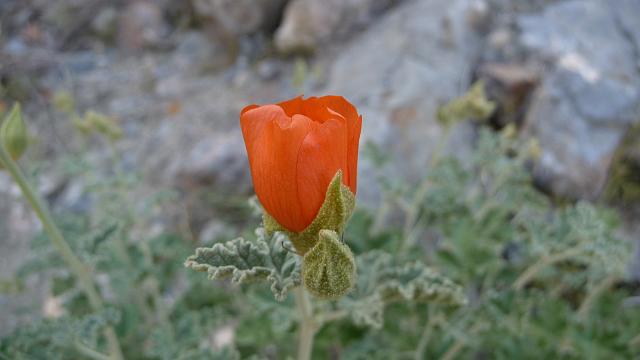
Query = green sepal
x=333 y=215
x=13 y=133
x=328 y=269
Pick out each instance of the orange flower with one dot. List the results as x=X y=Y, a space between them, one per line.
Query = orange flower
x=295 y=149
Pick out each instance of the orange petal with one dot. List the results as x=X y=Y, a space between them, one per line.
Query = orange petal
x=253 y=119
x=273 y=141
x=313 y=108
x=354 y=126
x=322 y=154
x=293 y=106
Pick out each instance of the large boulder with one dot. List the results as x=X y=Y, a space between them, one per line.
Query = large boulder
x=307 y=24
x=240 y=17
x=590 y=94
x=400 y=72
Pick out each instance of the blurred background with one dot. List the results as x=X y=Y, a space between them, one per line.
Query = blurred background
x=165 y=80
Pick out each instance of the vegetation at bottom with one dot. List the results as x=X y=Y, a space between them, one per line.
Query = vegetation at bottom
x=471 y=262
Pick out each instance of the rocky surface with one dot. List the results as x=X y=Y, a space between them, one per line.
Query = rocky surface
x=240 y=17
x=398 y=86
x=309 y=24
x=590 y=94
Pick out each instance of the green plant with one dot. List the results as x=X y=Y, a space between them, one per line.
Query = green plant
x=471 y=262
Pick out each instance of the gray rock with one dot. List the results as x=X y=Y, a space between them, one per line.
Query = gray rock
x=197 y=53
x=590 y=93
x=105 y=24
x=398 y=73
x=309 y=23
x=240 y=17
x=141 y=25
x=216 y=159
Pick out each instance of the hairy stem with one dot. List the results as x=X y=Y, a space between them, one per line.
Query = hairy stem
x=432 y=321
x=331 y=317
x=533 y=270
x=81 y=272
x=307 y=324
x=89 y=353
x=459 y=344
x=603 y=285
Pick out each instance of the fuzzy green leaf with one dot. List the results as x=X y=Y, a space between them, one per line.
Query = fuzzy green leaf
x=381 y=282
x=243 y=261
x=474 y=104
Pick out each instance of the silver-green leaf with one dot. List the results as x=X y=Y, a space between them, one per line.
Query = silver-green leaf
x=382 y=282
x=241 y=261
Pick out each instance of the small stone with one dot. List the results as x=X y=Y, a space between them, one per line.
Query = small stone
x=197 y=53
x=218 y=160
x=307 y=24
x=477 y=15
x=141 y=25
x=500 y=38
x=239 y=17
x=105 y=24
x=269 y=69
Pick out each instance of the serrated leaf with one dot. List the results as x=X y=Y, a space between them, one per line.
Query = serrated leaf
x=382 y=283
x=242 y=262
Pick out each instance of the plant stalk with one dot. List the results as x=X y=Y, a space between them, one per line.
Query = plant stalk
x=601 y=287
x=307 y=324
x=90 y=353
x=432 y=322
x=533 y=270
x=81 y=272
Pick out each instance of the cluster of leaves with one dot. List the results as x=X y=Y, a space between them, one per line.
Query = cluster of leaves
x=523 y=276
x=541 y=278
x=473 y=263
x=158 y=312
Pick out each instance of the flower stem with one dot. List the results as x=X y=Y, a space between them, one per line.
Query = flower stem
x=432 y=321
x=601 y=287
x=81 y=272
x=533 y=270
x=89 y=353
x=307 y=324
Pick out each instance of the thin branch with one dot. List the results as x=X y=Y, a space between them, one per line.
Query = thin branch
x=533 y=270
x=88 y=352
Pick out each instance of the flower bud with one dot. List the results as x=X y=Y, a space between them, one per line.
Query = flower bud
x=295 y=148
x=13 y=133
x=328 y=269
